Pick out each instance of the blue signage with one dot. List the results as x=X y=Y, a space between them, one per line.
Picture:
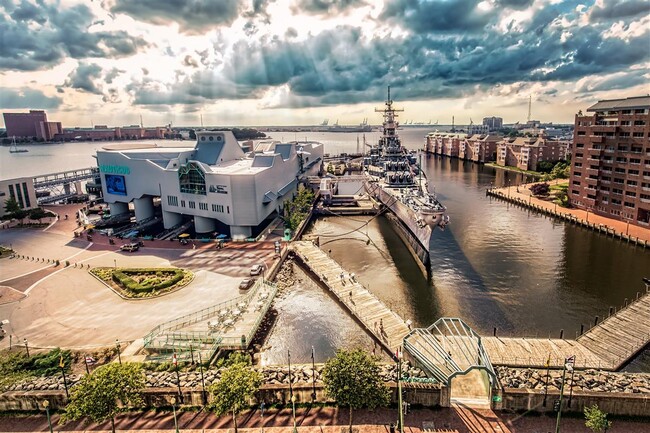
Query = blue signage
x=114 y=169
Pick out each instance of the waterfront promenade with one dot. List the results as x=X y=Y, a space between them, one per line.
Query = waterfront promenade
x=325 y=420
x=621 y=229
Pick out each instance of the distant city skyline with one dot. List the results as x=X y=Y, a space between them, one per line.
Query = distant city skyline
x=299 y=62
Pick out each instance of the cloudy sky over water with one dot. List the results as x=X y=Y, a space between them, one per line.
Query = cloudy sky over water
x=292 y=62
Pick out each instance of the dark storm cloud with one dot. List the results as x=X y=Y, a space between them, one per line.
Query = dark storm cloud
x=25 y=97
x=192 y=16
x=112 y=74
x=38 y=36
x=84 y=78
x=621 y=80
x=327 y=6
x=613 y=9
x=198 y=88
x=437 y=15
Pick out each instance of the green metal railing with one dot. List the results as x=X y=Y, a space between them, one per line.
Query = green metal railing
x=168 y=337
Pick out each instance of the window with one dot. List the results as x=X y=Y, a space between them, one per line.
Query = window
x=172 y=200
x=576 y=183
x=227 y=209
x=632 y=182
x=192 y=205
x=20 y=196
x=26 y=194
x=203 y=206
x=629 y=204
x=637 y=134
x=639 y=123
x=630 y=193
x=182 y=203
x=575 y=192
x=581 y=133
x=217 y=208
x=577 y=173
x=191 y=178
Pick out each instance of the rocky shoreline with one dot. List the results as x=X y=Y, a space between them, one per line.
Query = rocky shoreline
x=583 y=380
x=273 y=375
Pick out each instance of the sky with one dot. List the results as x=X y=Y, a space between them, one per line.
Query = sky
x=299 y=62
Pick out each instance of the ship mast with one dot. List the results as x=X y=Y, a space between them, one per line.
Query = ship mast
x=390 y=123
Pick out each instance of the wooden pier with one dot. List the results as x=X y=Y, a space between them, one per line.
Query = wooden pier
x=388 y=328
x=621 y=335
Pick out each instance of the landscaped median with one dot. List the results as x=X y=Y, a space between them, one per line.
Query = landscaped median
x=138 y=283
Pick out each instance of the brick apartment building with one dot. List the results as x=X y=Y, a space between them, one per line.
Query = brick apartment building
x=31 y=126
x=475 y=147
x=610 y=168
x=526 y=153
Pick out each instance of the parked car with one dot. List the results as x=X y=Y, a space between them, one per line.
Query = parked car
x=130 y=247
x=257 y=270
x=246 y=283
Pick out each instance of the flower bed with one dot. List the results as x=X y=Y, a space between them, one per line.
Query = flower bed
x=143 y=282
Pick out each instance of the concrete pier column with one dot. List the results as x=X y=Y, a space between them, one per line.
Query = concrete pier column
x=239 y=233
x=170 y=219
x=118 y=208
x=143 y=208
x=204 y=225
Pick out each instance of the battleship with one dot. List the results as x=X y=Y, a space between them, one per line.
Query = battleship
x=395 y=178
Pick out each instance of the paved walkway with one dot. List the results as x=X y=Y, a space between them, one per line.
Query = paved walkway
x=326 y=420
x=67 y=307
x=621 y=227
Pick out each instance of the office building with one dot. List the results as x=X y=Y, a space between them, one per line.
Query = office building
x=31 y=126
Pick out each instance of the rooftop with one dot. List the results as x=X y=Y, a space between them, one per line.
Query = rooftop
x=620 y=104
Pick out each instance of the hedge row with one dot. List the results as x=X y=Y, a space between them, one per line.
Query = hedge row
x=122 y=278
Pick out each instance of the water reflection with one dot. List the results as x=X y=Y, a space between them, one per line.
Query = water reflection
x=309 y=317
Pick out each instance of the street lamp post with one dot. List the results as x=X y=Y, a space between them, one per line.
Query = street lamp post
x=627 y=228
x=587 y=214
x=293 y=408
x=119 y=355
x=173 y=402
x=46 y=405
x=399 y=390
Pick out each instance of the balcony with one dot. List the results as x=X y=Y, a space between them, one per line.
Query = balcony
x=590 y=202
x=592 y=171
x=591 y=181
x=603 y=128
x=605 y=182
x=596 y=138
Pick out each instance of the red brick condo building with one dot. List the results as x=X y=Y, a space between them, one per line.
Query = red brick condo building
x=610 y=168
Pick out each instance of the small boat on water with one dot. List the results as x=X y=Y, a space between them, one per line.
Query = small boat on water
x=14 y=148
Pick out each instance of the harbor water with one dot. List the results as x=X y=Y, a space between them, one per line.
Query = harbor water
x=495 y=266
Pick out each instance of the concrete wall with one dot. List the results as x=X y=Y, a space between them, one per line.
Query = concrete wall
x=420 y=394
x=416 y=394
x=612 y=403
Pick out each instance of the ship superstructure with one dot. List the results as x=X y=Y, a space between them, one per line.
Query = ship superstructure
x=396 y=179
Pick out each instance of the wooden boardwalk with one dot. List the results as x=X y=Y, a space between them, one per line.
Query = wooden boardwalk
x=388 y=328
x=535 y=352
x=622 y=335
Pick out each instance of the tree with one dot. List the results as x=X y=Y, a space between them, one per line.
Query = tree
x=98 y=395
x=38 y=214
x=352 y=379
x=12 y=206
x=233 y=392
x=596 y=419
x=297 y=209
x=540 y=189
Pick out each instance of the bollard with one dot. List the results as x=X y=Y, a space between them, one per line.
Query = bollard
x=582 y=328
x=596 y=321
x=637 y=295
x=561 y=334
x=611 y=310
x=625 y=302
x=495 y=331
